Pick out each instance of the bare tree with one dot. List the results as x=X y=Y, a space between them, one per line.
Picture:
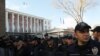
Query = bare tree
x=75 y=8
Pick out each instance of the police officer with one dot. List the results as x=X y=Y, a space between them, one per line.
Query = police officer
x=96 y=33
x=50 y=48
x=18 y=49
x=46 y=36
x=29 y=50
x=67 y=40
x=84 y=46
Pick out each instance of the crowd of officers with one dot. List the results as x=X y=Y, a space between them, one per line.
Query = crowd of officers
x=81 y=44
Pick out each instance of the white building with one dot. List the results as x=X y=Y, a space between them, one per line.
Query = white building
x=19 y=22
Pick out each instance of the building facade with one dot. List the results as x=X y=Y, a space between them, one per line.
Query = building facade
x=19 y=22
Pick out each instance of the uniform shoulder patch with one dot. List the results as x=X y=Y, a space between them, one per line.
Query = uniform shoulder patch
x=95 y=50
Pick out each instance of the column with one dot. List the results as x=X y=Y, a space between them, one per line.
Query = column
x=13 y=22
x=7 y=24
x=18 y=23
x=42 y=25
x=31 y=23
x=39 y=25
x=35 y=25
x=23 y=23
x=27 y=24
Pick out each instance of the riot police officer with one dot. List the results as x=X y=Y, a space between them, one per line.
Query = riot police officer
x=96 y=33
x=84 y=46
x=67 y=40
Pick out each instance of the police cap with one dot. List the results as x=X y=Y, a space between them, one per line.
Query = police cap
x=68 y=36
x=96 y=29
x=82 y=26
x=46 y=34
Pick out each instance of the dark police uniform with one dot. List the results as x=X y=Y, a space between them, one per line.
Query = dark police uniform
x=96 y=36
x=62 y=49
x=89 y=49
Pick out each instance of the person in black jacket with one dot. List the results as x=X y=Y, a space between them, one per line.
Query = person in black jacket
x=67 y=40
x=49 y=48
x=18 y=46
x=84 y=46
x=31 y=48
x=96 y=33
